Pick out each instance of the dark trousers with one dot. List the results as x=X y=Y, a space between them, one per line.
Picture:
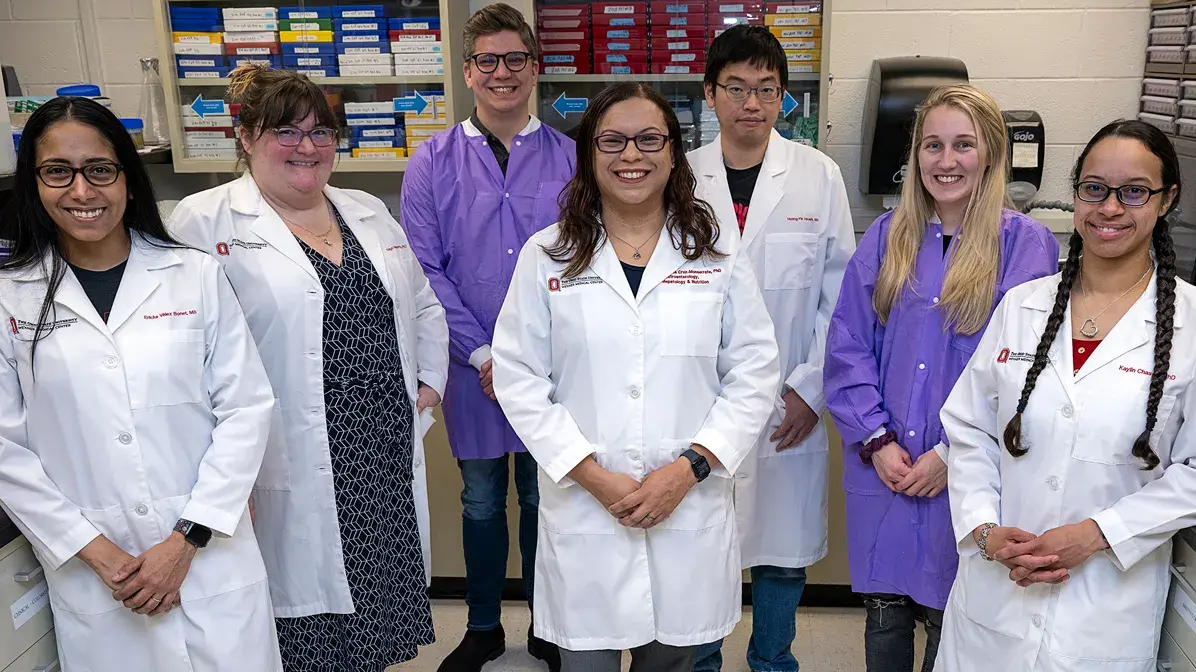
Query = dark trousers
x=889 y=633
x=652 y=657
x=484 y=532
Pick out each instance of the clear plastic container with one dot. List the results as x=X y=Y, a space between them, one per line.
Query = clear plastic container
x=1186 y=127
x=1167 y=88
x=1187 y=109
x=1160 y=105
x=1165 y=55
x=1169 y=18
x=136 y=129
x=1162 y=122
x=153 y=104
x=1169 y=36
x=1189 y=89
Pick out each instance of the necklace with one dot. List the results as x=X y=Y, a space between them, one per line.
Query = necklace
x=1089 y=328
x=322 y=236
x=635 y=254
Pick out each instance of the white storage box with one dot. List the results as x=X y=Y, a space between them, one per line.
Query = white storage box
x=1158 y=36
x=1169 y=18
x=1162 y=122
x=1165 y=55
x=1186 y=127
x=1167 y=88
x=1160 y=105
x=1189 y=90
x=1187 y=109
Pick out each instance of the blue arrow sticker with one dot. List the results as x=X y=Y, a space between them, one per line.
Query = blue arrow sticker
x=788 y=104
x=564 y=106
x=205 y=107
x=413 y=103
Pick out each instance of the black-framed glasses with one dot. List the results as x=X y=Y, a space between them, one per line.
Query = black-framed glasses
x=1133 y=195
x=289 y=136
x=488 y=63
x=614 y=143
x=769 y=93
x=58 y=175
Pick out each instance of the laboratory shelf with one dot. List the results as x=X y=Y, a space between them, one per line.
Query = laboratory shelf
x=330 y=81
x=610 y=79
x=342 y=165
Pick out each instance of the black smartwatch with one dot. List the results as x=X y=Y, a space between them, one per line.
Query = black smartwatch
x=700 y=466
x=197 y=535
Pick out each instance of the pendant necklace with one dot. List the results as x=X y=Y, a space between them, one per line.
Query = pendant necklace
x=635 y=254
x=1089 y=328
x=322 y=236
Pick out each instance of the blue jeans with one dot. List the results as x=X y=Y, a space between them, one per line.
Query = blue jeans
x=484 y=532
x=776 y=592
x=889 y=633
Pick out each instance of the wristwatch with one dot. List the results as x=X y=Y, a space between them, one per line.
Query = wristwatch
x=982 y=542
x=197 y=535
x=700 y=466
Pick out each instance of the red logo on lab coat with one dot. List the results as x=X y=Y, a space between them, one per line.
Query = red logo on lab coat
x=222 y=249
x=554 y=284
x=12 y=323
x=1004 y=356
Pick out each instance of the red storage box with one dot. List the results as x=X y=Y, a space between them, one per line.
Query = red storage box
x=576 y=63
x=625 y=57
x=680 y=33
x=792 y=7
x=401 y=35
x=726 y=21
x=665 y=21
x=562 y=10
x=254 y=49
x=674 y=44
x=679 y=68
x=558 y=35
x=565 y=46
x=619 y=34
x=581 y=23
x=679 y=7
x=628 y=8
x=734 y=7
x=620 y=45
x=620 y=68
x=619 y=20
x=679 y=57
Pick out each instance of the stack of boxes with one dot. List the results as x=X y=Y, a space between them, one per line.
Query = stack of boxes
x=1168 y=100
x=212 y=136
x=379 y=130
x=418 y=127
x=415 y=44
x=678 y=36
x=306 y=41
x=251 y=36
x=198 y=37
x=798 y=25
x=362 y=41
x=620 y=38
x=565 y=39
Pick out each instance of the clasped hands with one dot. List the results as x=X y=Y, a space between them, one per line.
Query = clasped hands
x=641 y=505
x=1045 y=558
x=148 y=584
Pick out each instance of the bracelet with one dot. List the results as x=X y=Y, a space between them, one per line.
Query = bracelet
x=876 y=444
x=982 y=542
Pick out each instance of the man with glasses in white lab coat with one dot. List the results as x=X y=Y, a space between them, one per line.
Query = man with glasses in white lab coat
x=788 y=204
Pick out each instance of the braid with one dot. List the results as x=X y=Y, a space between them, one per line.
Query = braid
x=1013 y=430
x=1164 y=253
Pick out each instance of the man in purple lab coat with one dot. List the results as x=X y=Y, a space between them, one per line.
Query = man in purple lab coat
x=472 y=196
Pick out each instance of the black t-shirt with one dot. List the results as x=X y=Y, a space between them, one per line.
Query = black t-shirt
x=634 y=274
x=946 y=244
x=742 y=183
x=101 y=286
x=501 y=153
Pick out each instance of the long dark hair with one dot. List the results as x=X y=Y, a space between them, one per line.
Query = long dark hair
x=32 y=233
x=1164 y=251
x=691 y=223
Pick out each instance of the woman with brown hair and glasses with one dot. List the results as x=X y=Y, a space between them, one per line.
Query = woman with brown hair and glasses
x=356 y=347
x=635 y=358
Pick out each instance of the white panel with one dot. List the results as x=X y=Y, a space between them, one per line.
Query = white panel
x=45 y=10
x=845 y=109
x=1072 y=109
x=859 y=37
x=1030 y=44
x=122 y=44
x=1113 y=43
x=43 y=52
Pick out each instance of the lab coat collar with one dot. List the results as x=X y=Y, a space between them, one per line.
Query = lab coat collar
x=767 y=193
x=533 y=125
x=665 y=259
x=139 y=282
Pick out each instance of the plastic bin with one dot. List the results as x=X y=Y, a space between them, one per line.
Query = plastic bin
x=1169 y=36
x=1167 y=88
x=1165 y=55
x=1162 y=122
x=1169 y=18
x=1189 y=89
x=1187 y=109
x=1161 y=105
x=1186 y=127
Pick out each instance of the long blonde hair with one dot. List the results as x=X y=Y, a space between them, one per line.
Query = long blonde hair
x=971 y=278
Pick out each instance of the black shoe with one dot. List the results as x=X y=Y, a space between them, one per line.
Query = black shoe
x=543 y=650
x=475 y=650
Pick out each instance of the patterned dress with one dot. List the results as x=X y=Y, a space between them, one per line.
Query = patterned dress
x=370 y=437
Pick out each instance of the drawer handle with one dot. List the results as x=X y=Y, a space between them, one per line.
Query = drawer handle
x=55 y=667
x=30 y=575
x=1160 y=666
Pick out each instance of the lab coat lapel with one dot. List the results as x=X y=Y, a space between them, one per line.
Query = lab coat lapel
x=666 y=259
x=139 y=282
x=268 y=226
x=70 y=295
x=606 y=265
x=1038 y=306
x=769 y=188
x=355 y=215
x=1132 y=331
x=713 y=175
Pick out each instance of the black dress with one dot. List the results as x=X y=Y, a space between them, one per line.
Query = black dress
x=370 y=437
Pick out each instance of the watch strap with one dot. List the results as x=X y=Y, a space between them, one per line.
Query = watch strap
x=195 y=534
x=699 y=464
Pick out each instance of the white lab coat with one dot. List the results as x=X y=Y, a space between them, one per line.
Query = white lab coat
x=799 y=237
x=1080 y=429
x=294 y=499
x=583 y=367
x=123 y=428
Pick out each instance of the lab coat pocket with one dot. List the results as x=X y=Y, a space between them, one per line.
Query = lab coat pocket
x=1107 y=431
x=1130 y=603
x=789 y=260
x=989 y=598
x=571 y=509
x=165 y=368
x=74 y=587
x=706 y=505
x=691 y=324
x=275 y=473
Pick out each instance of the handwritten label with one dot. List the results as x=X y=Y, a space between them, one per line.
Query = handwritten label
x=29 y=605
x=1186 y=608
x=619 y=9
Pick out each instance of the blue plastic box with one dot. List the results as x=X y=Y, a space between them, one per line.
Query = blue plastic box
x=360 y=25
x=377 y=48
x=189 y=61
x=358 y=12
x=430 y=23
x=218 y=72
x=189 y=26
x=309 y=61
x=363 y=38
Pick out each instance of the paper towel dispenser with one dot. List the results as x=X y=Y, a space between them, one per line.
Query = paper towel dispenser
x=1027 y=150
x=895 y=89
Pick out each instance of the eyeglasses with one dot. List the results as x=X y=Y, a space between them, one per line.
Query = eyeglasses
x=766 y=94
x=1133 y=195
x=488 y=63
x=614 y=143
x=57 y=176
x=289 y=136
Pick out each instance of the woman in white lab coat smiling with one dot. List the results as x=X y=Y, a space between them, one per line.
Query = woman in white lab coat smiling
x=635 y=358
x=134 y=411
x=1071 y=447
x=356 y=346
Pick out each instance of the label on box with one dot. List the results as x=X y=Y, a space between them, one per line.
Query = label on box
x=299 y=36
x=373 y=26
x=376 y=154
x=302 y=62
x=679 y=45
x=419 y=59
x=263 y=36
x=800 y=68
x=794 y=32
x=433 y=36
x=417 y=48
x=30 y=604
x=422 y=132
x=199 y=62
x=376 y=144
x=372 y=121
x=727 y=9
x=380 y=109
x=306 y=50
x=364 y=59
x=559 y=70
x=303 y=15
x=251 y=51
x=254 y=61
x=799 y=44
x=211 y=154
x=201 y=74
x=211 y=143
x=360 y=38
x=204 y=135
x=791 y=20
x=677 y=69
x=213 y=38
x=360 y=14
x=559 y=58
x=249 y=26
x=619 y=9
x=296 y=25
x=616 y=34
x=792 y=56
x=418 y=25
x=676 y=33
x=376 y=133
x=362 y=50
x=683 y=58
x=183 y=49
x=367 y=70
x=795 y=9
x=219 y=121
x=679 y=9
x=622 y=22
x=242 y=13
x=315 y=72
x=419 y=70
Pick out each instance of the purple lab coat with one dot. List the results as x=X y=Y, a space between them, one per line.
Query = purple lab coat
x=897 y=376
x=466 y=223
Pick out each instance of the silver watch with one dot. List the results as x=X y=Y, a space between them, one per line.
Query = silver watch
x=982 y=542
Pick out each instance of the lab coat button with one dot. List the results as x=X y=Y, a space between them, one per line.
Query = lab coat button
x=921 y=367
x=938 y=235
x=109 y=362
x=635 y=393
x=1053 y=483
x=935 y=299
x=125 y=438
x=1037 y=621
x=507 y=195
x=635 y=330
x=1068 y=411
x=141 y=509
x=510 y=251
x=911 y=432
x=634 y=454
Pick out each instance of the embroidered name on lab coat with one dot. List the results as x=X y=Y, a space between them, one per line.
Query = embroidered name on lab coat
x=1006 y=356
x=171 y=313
x=1144 y=372
x=556 y=284
x=691 y=276
x=246 y=245
x=17 y=326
